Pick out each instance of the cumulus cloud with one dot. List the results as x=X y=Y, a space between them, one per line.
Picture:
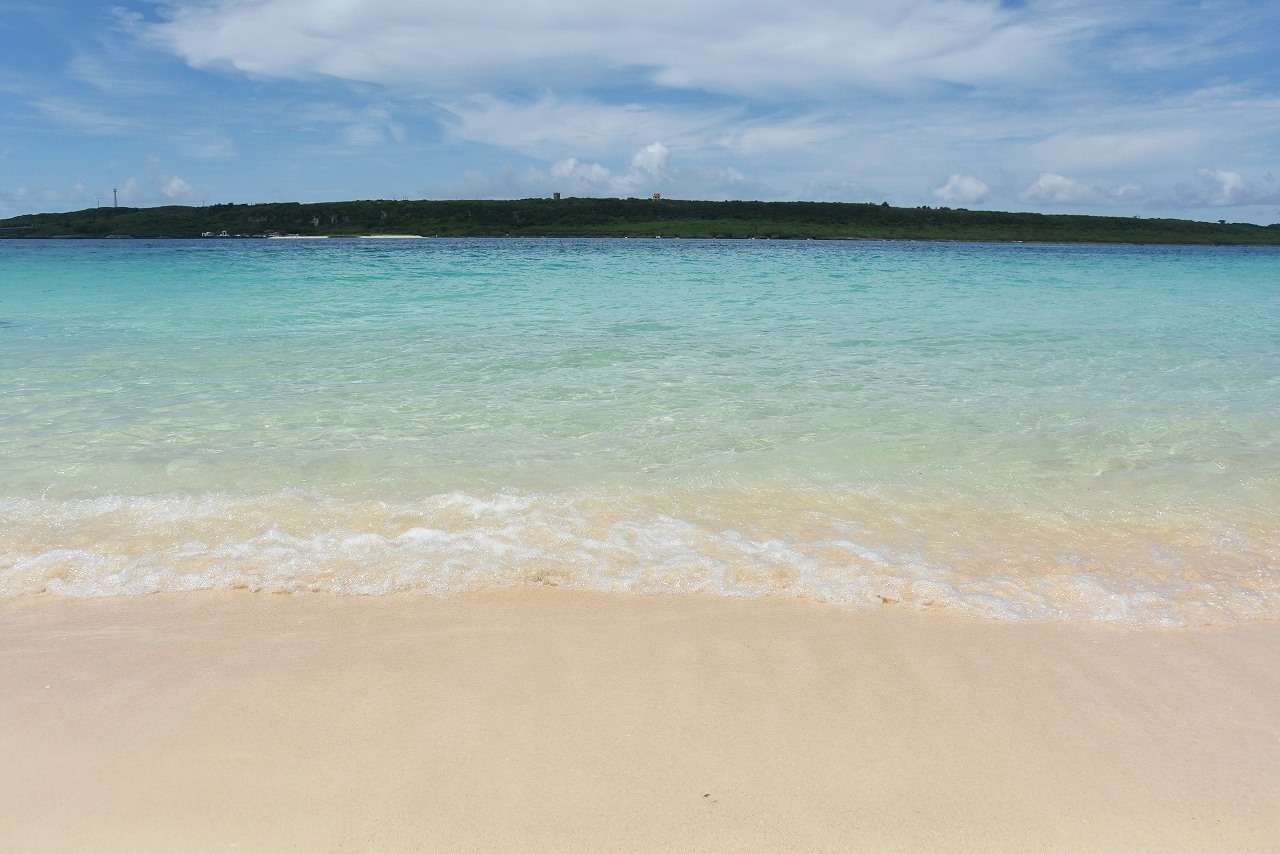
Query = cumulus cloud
x=171 y=187
x=650 y=170
x=1128 y=194
x=962 y=189
x=1225 y=188
x=1052 y=189
x=1061 y=190
x=836 y=190
x=157 y=186
x=651 y=160
x=177 y=189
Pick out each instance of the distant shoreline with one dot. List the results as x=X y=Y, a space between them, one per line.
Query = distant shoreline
x=311 y=238
x=647 y=218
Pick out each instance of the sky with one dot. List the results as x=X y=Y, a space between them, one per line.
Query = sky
x=1137 y=108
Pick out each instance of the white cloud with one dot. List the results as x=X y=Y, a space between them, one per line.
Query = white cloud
x=1060 y=190
x=157 y=187
x=1055 y=104
x=128 y=191
x=737 y=46
x=27 y=198
x=177 y=189
x=551 y=128
x=1052 y=189
x=374 y=127
x=1225 y=188
x=1105 y=149
x=171 y=187
x=1152 y=36
x=1128 y=194
x=651 y=160
x=650 y=170
x=962 y=189
x=829 y=189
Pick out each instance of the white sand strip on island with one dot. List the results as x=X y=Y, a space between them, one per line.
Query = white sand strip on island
x=559 y=721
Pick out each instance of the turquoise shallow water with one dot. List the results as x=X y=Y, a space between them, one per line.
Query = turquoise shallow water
x=1020 y=431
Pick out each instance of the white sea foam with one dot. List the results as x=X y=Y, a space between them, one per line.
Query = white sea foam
x=860 y=424
x=630 y=542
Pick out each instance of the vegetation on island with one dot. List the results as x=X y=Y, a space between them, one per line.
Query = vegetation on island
x=594 y=217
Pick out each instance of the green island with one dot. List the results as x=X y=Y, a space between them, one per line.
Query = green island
x=597 y=217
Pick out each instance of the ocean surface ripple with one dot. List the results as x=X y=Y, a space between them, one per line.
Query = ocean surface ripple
x=1020 y=432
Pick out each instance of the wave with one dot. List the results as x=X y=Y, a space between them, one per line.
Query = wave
x=852 y=550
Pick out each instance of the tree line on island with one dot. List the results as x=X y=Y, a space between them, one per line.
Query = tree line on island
x=599 y=217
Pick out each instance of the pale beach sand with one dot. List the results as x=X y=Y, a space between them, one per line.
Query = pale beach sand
x=548 y=720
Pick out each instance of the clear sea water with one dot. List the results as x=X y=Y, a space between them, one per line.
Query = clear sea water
x=1016 y=431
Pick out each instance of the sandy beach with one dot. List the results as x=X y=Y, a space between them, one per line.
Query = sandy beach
x=558 y=721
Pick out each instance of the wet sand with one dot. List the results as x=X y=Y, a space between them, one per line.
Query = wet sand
x=549 y=720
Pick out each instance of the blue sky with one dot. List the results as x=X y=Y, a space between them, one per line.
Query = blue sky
x=1147 y=107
